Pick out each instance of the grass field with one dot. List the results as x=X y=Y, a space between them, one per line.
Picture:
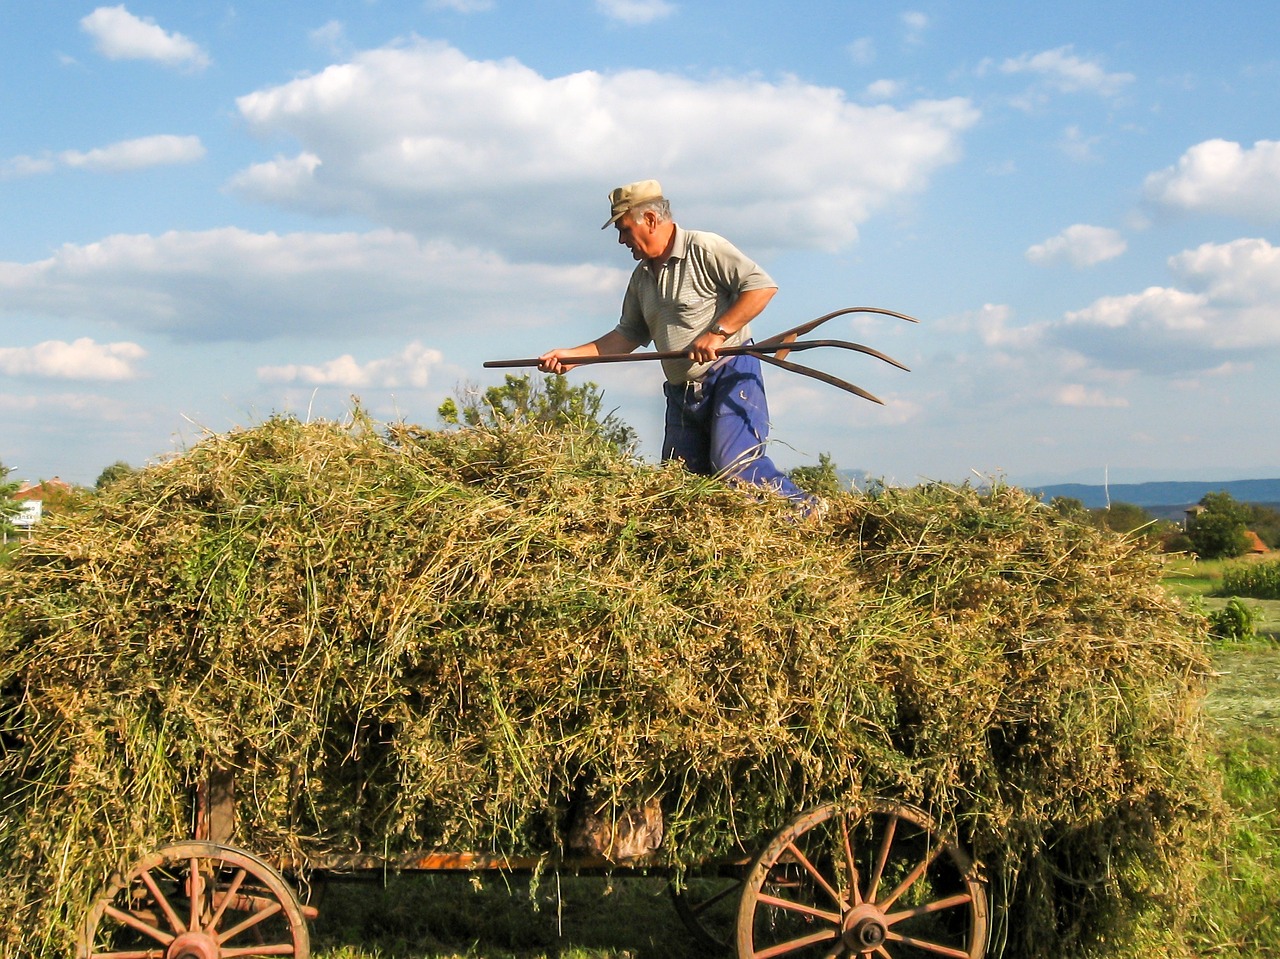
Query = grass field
x=498 y=917
x=631 y=917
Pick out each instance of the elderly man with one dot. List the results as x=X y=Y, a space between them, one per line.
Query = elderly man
x=693 y=292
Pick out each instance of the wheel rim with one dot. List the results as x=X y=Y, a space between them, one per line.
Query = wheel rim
x=708 y=906
x=195 y=900
x=880 y=880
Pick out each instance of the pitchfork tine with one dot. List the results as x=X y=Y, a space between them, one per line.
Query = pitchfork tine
x=814 y=344
x=787 y=336
x=819 y=375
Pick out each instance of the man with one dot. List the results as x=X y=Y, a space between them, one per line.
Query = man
x=693 y=292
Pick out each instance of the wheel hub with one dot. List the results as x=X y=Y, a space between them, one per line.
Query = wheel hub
x=193 y=945
x=865 y=929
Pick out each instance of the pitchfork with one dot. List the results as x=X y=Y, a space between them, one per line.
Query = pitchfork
x=773 y=350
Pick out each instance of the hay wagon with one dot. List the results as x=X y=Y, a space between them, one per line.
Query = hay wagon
x=850 y=729
x=877 y=878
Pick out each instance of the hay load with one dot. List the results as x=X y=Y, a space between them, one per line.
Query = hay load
x=412 y=639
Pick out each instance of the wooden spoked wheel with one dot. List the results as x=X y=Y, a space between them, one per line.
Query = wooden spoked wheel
x=879 y=881
x=196 y=900
x=708 y=906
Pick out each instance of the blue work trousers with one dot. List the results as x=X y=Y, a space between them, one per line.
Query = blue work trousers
x=719 y=425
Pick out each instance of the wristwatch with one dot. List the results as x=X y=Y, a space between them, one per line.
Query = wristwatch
x=719 y=330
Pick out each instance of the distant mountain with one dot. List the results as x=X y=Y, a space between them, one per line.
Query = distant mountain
x=1172 y=494
x=1165 y=499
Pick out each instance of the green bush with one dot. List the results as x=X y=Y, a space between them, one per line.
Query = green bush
x=1255 y=580
x=1234 y=623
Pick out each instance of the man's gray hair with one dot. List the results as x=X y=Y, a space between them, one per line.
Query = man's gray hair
x=661 y=208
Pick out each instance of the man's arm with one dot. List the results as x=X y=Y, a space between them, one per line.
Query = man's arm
x=748 y=305
x=612 y=342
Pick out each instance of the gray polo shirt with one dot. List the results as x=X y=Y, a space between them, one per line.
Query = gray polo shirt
x=698 y=282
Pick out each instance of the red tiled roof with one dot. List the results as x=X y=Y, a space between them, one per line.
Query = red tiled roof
x=42 y=489
x=1256 y=545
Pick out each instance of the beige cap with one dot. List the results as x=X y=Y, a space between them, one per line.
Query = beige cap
x=633 y=194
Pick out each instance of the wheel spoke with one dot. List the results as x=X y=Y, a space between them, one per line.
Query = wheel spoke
x=715 y=899
x=227 y=898
x=963 y=899
x=195 y=887
x=790 y=905
x=804 y=942
x=129 y=954
x=280 y=949
x=708 y=908
x=840 y=901
x=132 y=921
x=889 y=830
x=257 y=917
x=851 y=864
x=912 y=876
x=927 y=946
x=161 y=901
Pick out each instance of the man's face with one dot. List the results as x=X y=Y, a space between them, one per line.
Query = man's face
x=640 y=236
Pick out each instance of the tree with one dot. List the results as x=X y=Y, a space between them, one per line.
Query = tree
x=1218 y=531
x=1123 y=518
x=9 y=507
x=551 y=403
x=820 y=480
x=113 y=473
x=1069 y=507
x=1265 y=521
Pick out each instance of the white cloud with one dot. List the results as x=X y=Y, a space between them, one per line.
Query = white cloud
x=332 y=36
x=1077 y=394
x=230 y=284
x=160 y=150
x=636 y=12
x=1157 y=309
x=1227 y=309
x=1080 y=245
x=119 y=35
x=461 y=6
x=422 y=138
x=883 y=90
x=1063 y=71
x=1220 y=177
x=916 y=23
x=994 y=325
x=862 y=51
x=82 y=359
x=24 y=166
x=89 y=407
x=412 y=367
x=1243 y=274
x=1077 y=145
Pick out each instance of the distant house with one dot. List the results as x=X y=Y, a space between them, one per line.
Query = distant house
x=38 y=492
x=1256 y=545
x=32 y=497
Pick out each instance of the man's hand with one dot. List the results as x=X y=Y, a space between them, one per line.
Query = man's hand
x=706 y=347
x=553 y=361
x=748 y=305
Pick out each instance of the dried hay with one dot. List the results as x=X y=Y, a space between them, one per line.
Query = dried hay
x=436 y=639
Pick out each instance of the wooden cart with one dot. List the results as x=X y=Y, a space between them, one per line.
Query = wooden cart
x=874 y=878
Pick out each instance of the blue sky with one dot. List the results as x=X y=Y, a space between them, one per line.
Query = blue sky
x=215 y=212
